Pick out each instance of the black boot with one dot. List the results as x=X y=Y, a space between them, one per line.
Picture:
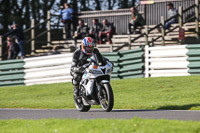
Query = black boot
x=76 y=92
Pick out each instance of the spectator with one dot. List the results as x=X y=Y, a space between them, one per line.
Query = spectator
x=13 y=48
x=82 y=30
x=171 y=12
x=18 y=33
x=135 y=20
x=96 y=27
x=66 y=19
x=106 y=31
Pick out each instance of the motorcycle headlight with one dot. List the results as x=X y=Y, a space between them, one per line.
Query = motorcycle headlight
x=109 y=70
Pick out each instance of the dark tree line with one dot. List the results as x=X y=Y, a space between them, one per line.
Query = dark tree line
x=22 y=11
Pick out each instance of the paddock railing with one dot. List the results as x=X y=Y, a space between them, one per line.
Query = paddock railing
x=182 y=21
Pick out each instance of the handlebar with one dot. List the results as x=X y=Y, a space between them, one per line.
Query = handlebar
x=91 y=60
x=86 y=65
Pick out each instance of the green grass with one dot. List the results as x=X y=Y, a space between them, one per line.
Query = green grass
x=142 y=93
x=151 y=93
x=135 y=125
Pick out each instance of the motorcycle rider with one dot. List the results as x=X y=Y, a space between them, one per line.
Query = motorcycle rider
x=80 y=57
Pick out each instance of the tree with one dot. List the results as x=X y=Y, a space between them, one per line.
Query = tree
x=133 y=2
x=5 y=10
x=46 y=6
x=125 y=3
x=83 y=5
x=22 y=11
x=98 y=5
x=75 y=5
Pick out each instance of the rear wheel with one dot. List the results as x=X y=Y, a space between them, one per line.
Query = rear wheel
x=107 y=98
x=80 y=106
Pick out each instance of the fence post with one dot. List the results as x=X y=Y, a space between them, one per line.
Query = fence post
x=163 y=30
x=48 y=28
x=64 y=33
x=111 y=47
x=180 y=20
x=129 y=42
x=197 y=17
x=32 y=36
x=152 y=40
x=1 y=45
x=146 y=35
x=146 y=50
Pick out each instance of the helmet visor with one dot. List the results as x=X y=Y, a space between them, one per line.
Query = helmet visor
x=89 y=49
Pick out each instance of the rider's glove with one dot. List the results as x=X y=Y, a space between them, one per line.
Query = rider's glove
x=78 y=69
x=81 y=69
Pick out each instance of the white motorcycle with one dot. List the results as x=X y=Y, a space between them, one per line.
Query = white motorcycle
x=95 y=88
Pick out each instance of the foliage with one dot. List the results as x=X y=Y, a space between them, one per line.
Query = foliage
x=180 y=93
x=22 y=11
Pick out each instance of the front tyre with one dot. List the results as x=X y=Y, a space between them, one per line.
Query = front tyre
x=107 y=98
x=80 y=106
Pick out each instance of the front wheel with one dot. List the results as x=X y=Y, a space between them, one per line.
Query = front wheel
x=80 y=106
x=106 y=99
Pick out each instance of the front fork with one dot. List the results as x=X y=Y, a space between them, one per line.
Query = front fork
x=99 y=87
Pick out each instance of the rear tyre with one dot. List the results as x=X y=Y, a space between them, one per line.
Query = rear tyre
x=80 y=106
x=107 y=98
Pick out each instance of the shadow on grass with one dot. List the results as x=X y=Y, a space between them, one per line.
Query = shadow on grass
x=170 y=107
x=132 y=110
x=176 y=107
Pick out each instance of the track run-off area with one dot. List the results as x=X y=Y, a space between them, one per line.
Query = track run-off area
x=98 y=113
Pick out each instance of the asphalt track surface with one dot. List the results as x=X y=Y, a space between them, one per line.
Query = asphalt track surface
x=98 y=113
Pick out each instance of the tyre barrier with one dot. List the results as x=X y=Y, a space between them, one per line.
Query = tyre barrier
x=36 y=70
x=194 y=59
x=11 y=72
x=127 y=64
x=182 y=60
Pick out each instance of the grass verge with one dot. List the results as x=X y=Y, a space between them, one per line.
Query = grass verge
x=180 y=93
x=135 y=125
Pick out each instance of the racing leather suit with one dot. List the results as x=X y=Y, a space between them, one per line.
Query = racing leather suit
x=78 y=60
